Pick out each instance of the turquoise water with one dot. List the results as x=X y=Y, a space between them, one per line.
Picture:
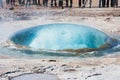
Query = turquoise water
x=61 y=37
x=51 y=41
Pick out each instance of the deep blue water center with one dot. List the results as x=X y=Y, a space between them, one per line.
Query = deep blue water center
x=61 y=37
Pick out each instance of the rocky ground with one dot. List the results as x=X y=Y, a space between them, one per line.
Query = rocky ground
x=86 y=69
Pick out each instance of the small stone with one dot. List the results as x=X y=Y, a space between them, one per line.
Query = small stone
x=39 y=71
x=12 y=8
x=63 y=65
x=108 y=19
x=69 y=70
x=52 y=60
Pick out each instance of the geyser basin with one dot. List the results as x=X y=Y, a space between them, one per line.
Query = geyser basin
x=36 y=77
x=62 y=37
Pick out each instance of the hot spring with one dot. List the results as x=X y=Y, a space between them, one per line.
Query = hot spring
x=61 y=39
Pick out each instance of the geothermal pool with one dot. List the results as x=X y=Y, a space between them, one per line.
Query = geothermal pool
x=62 y=37
x=59 y=39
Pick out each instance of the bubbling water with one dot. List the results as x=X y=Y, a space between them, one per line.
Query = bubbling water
x=63 y=37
